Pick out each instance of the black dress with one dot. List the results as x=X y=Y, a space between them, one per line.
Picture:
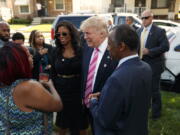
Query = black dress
x=66 y=74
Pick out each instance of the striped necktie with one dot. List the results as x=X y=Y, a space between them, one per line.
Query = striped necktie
x=91 y=71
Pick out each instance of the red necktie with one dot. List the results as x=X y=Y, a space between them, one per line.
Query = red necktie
x=91 y=71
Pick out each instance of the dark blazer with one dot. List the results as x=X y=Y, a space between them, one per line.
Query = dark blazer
x=122 y=108
x=158 y=44
x=105 y=69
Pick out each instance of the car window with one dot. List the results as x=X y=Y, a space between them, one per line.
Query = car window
x=76 y=20
x=164 y=24
x=121 y=20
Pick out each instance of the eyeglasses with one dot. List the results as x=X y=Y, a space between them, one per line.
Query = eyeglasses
x=64 y=34
x=146 y=17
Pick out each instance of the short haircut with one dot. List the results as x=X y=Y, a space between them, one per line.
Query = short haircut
x=14 y=63
x=96 y=22
x=18 y=36
x=125 y=34
x=3 y=23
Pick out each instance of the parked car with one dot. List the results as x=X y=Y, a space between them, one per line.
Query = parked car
x=75 y=19
x=171 y=75
x=166 y=24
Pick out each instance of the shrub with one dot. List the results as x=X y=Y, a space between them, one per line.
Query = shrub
x=20 y=21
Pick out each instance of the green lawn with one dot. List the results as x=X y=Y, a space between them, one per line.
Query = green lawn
x=169 y=123
x=41 y=27
x=17 y=26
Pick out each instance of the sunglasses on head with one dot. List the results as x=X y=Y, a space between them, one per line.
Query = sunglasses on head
x=64 y=34
x=146 y=17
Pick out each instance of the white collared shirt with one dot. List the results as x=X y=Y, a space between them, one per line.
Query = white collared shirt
x=126 y=58
x=102 y=48
x=148 y=30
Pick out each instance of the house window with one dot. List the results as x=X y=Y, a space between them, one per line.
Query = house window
x=159 y=4
x=59 y=4
x=3 y=3
x=119 y=3
x=24 y=9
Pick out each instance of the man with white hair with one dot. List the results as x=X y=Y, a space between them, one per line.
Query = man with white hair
x=4 y=33
x=154 y=44
x=97 y=65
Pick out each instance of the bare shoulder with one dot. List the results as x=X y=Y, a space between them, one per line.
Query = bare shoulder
x=29 y=86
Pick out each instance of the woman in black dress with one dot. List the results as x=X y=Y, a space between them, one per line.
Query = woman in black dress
x=66 y=75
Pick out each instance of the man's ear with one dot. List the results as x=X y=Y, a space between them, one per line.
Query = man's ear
x=122 y=46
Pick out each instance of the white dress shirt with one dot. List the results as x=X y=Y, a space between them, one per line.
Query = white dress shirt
x=146 y=36
x=126 y=58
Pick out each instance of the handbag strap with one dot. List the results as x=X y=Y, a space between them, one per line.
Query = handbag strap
x=45 y=118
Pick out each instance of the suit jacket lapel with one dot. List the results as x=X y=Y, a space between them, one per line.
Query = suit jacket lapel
x=87 y=58
x=149 y=38
x=102 y=67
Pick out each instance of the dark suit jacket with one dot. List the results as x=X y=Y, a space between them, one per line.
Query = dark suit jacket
x=105 y=69
x=123 y=105
x=158 y=44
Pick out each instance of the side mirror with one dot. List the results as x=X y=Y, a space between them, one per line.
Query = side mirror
x=177 y=48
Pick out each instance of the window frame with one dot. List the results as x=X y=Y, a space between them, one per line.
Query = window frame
x=59 y=9
x=155 y=6
x=24 y=12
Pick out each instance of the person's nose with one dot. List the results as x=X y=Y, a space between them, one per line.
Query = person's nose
x=7 y=32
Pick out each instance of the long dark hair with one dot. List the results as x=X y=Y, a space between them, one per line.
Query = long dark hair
x=75 y=39
x=32 y=39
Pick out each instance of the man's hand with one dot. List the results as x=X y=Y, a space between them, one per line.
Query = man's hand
x=145 y=51
x=94 y=95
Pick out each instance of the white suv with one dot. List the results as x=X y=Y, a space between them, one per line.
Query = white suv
x=171 y=75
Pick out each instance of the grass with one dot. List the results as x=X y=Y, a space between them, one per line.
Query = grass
x=41 y=27
x=17 y=26
x=169 y=123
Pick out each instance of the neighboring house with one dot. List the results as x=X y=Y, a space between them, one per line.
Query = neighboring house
x=6 y=11
x=91 y=6
x=34 y=8
x=164 y=9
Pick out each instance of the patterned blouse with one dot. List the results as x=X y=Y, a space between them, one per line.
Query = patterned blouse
x=19 y=122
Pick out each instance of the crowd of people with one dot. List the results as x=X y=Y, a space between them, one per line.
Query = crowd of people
x=106 y=77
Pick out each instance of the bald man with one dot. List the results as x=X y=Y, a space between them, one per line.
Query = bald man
x=4 y=33
x=154 y=44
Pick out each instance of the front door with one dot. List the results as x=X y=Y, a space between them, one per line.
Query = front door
x=42 y=8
